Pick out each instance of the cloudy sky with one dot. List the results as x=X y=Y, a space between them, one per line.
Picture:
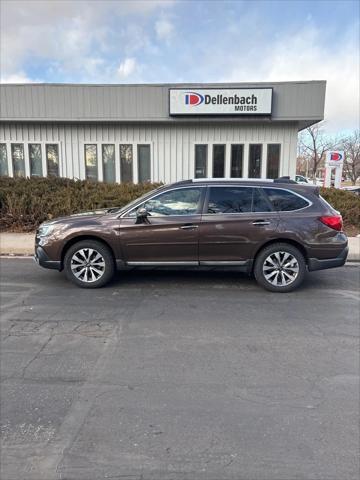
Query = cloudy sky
x=82 y=41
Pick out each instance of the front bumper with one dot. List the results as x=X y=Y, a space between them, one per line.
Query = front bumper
x=43 y=260
x=339 y=261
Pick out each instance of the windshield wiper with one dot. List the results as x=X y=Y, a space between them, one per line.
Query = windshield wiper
x=113 y=209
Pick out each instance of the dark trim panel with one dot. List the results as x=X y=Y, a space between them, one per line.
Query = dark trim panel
x=43 y=260
x=316 y=264
x=164 y=264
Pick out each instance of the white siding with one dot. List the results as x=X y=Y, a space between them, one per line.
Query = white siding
x=172 y=146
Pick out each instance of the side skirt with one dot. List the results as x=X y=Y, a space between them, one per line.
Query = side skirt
x=240 y=265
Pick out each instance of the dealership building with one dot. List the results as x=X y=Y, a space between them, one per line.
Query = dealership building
x=159 y=133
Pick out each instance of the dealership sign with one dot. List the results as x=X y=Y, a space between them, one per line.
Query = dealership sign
x=221 y=101
x=334 y=161
x=334 y=158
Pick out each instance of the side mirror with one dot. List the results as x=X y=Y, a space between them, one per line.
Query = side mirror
x=141 y=215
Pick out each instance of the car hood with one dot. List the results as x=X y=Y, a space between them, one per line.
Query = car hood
x=86 y=216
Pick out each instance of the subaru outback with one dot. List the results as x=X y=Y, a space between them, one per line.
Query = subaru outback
x=276 y=230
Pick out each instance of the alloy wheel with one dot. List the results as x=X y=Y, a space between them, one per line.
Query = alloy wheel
x=87 y=265
x=280 y=268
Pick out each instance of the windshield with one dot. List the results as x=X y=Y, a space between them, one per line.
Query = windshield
x=128 y=205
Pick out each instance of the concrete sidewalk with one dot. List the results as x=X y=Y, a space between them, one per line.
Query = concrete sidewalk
x=23 y=244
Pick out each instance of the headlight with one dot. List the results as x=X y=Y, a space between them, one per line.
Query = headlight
x=45 y=230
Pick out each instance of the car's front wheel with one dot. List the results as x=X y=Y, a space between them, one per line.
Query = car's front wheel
x=89 y=264
x=280 y=267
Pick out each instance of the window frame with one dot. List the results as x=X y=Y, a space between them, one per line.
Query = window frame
x=207 y=165
x=103 y=144
x=246 y=146
x=267 y=158
x=41 y=154
x=45 y=165
x=213 y=156
x=8 y=166
x=260 y=189
x=26 y=144
x=137 y=169
x=234 y=185
x=309 y=202
x=253 y=144
x=98 y=167
x=25 y=158
x=242 y=145
x=133 y=167
x=117 y=143
x=183 y=187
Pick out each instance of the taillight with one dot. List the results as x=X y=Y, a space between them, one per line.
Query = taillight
x=335 y=222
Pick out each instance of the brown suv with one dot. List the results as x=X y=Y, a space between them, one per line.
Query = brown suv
x=275 y=229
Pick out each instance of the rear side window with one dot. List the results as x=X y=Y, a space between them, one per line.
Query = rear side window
x=327 y=204
x=237 y=200
x=260 y=202
x=284 y=201
x=230 y=200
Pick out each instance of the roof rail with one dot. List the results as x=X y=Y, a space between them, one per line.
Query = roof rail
x=237 y=179
x=284 y=180
x=181 y=182
x=232 y=179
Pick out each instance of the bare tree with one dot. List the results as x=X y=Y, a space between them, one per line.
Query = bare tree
x=302 y=165
x=351 y=146
x=313 y=145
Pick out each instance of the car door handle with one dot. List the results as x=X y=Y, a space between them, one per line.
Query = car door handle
x=261 y=222
x=189 y=227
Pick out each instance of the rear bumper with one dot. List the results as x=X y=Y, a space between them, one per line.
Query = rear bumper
x=43 y=260
x=339 y=261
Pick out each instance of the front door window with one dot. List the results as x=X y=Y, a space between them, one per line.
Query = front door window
x=182 y=201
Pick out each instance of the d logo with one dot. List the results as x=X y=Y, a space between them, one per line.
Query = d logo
x=192 y=98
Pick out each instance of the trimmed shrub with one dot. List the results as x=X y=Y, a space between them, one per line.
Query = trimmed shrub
x=27 y=202
x=347 y=203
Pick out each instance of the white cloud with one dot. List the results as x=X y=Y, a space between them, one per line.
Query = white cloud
x=19 y=77
x=303 y=56
x=339 y=68
x=70 y=34
x=127 y=67
x=164 y=29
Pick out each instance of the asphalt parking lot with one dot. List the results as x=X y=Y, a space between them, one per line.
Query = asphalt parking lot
x=178 y=376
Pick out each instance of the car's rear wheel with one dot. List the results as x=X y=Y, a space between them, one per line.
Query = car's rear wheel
x=89 y=264
x=280 y=267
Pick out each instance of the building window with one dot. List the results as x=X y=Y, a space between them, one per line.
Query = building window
x=126 y=163
x=144 y=167
x=91 y=171
x=18 y=161
x=255 y=153
x=237 y=152
x=108 y=159
x=52 y=159
x=3 y=160
x=201 y=161
x=35 y=159
x=273 y=161
x=218 y=161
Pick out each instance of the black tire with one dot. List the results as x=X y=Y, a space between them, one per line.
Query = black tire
x=293 y=271
x=99 y=260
